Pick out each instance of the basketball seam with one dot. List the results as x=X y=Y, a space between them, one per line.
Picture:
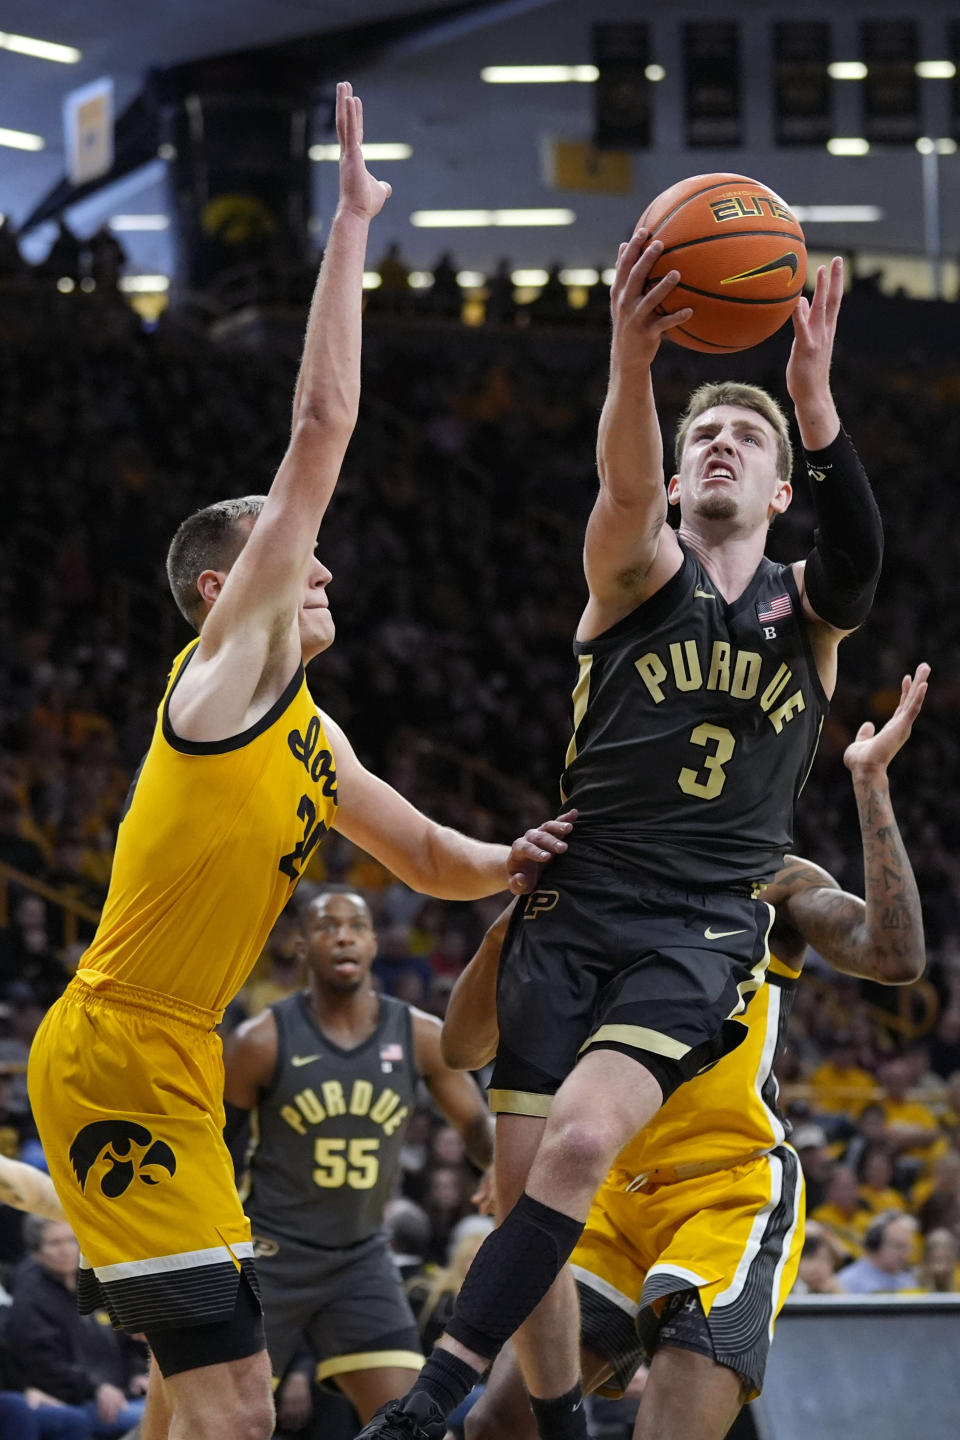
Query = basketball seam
x=735 y=235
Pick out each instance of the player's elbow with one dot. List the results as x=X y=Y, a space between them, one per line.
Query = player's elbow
x=465 y=1052
x=899 y=966
x=322 y=420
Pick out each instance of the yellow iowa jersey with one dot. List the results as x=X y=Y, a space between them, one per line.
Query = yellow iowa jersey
x=215 y=837
x=729 y=1112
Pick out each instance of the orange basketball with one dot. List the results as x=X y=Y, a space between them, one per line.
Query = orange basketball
x=741 y=256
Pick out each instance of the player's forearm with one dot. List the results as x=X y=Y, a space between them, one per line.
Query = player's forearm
x=893 y=925
x=629 y=442
x=456 y=867
x=470 y=1033
x=818 y=421
x=478 y=1141
x=26 y=1188
x=842 y=570
x=328 y=385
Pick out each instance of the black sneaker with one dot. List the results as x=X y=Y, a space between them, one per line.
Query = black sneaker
x=413 y=1417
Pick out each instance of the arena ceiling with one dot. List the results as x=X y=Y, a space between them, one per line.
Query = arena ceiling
x=475 y=145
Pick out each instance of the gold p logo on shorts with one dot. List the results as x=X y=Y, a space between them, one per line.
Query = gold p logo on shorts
x=539 y=903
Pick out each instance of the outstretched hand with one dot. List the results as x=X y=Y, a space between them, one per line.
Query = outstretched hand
x=359 y=191
x=639 y=324
x=872 y=749
x=814 y=331
x=534 y=849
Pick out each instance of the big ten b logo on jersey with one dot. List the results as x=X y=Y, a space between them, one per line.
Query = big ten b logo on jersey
x=317 y=760
x=128 y=1150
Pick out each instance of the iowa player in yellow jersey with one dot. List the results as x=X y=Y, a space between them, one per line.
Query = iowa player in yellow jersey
x=694 y=1238
x=242 y=778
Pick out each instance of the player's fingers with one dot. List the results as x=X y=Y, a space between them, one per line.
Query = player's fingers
x=636 y=283
x=358 y=115
x=672 y=319
x=519 y=883
x=542 y=844
x=626 y=259
x=866 y=732
x=342 y=114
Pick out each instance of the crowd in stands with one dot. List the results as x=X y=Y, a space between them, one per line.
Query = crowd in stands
x=454 y=540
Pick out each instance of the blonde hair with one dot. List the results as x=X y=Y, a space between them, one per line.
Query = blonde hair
x=746 y=397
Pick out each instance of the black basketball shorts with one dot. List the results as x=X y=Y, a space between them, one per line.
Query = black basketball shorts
x=593 y=960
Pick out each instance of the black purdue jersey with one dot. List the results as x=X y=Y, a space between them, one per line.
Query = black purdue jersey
x=695 y=726
x=327 y=1134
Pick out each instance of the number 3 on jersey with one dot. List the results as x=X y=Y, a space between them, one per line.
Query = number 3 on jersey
x=346 y=1162
x=691 y=781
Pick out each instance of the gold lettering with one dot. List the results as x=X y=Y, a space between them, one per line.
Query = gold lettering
x=652 y=672
x=386 y=1103
x=719 y=676
x=789 y=708
x=396 y=1120
x=779 y=683
x=333 y=1097
x=310 y=1106
x=360 y=1097
x=688 y=676
x=746 y=675
x=725 y=209
x=749 y=208
x=293 y=1119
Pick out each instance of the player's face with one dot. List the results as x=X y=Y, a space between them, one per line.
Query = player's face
x=341 y=942
x=316 y=623
x=728 y=471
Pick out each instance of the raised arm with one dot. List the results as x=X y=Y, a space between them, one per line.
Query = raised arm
x=470 y=1032
x=250 y=638
x=881 y=939
x=627 y=552
x=838 y=579
x=433 y=859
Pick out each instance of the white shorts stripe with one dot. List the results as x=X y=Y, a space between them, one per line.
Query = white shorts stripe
x=787 y=1242
x=733 y=1290
x=608 y=1291
x=690 y=1276
x=186 y=1260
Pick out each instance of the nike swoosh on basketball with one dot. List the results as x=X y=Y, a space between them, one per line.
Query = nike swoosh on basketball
x=712 y=934
x=299 y=1060
x=790 y=261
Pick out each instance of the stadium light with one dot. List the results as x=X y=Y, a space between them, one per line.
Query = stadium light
x=21 y=140
x=39 y=49
x=837 y=214
x=847 y=70
x=144 y=284
x=377 y=150
x=935 y=69
x=484 y=219
x=539 y=74
x=139 y=222
x=848 y=145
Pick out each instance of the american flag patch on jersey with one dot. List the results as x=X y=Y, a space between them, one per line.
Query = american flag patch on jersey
x=391 y=1053
x=779 y=608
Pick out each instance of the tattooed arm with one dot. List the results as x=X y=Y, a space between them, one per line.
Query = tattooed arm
x=881 y=939
x=26 y=1188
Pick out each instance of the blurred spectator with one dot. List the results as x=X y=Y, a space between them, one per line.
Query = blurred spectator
x=817 y=1272
x=936 y=1200
x=79 y=1360
x=434 y=1295
x=884 y=1267
x=278 y=972
x=394 y=959
x=875 y=1172
x=445 y=1201
x=106 y=258
x=444 y=296
x=63 y=259
x=843 y=1214
x=939 y=1270
x=393 y=294
x=911 y=1126
x=810 y=1142
x=11 y=261
x=500 y=308
x=840 y=1086
x=408 y=1230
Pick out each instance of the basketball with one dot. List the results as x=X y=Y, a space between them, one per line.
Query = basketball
x=741 y=256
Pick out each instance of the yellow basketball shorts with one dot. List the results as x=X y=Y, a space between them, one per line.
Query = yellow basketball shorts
x=734 y=1236
x=127 y=1092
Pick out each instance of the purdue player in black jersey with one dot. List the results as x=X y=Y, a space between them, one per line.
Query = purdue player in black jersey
x=704 y=676
x=330 y=1077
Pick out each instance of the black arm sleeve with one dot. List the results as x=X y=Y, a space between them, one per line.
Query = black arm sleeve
x=236 y=1133
x=843 y=567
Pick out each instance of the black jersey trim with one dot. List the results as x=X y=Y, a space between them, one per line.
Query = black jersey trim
x=233 y=742
x=648 y=613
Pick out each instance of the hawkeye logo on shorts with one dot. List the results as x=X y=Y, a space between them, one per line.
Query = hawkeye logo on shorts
x=539 y=903
x=117 y=1142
